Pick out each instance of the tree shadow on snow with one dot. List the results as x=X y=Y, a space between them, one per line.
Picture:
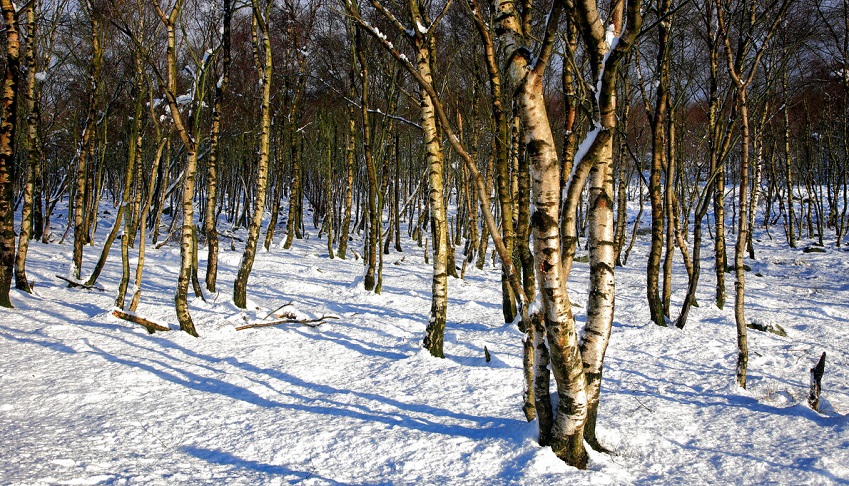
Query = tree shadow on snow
x=9 y=333
x=227 y=459
x=308 y=397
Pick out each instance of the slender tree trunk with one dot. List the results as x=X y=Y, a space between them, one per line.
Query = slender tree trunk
x=33 y=151
x=350 y=152
x=788 y=166
x=187 y=229
x=374 y=239
x=435 y=332
x=8 y=127
x=658 y=124
x=145 y=211
x=84 y=170
x=740 y=247
x=210 y=220
x=133 y=159
x=241 y=283
x=502 y=171
x=293 y=221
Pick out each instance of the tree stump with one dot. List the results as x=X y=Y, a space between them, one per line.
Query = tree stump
x=816 y=384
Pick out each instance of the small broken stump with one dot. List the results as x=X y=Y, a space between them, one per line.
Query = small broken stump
x=816 y=384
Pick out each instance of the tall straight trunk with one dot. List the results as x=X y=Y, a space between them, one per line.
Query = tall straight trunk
x=717 y=163
x=163 y=190
x=658 y=124
x=758 y=176
x=85 y=151
x=396 y=211
x=669 y=198
x=374 y=230
x=435 y=332
x=241 y=283
x=328 y=217
x=622 y=186
x=502 y=162
x=34 y=153
x=740 y=247
x=293 y=221
x=277 y=193
x=788 y=165
x=210 y=220
x=133 y=159
x=8 y=127
x=350 y=152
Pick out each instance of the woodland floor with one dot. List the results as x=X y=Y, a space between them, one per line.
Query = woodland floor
x=86 y=398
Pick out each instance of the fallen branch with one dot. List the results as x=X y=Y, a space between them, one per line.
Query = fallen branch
x=150 y=325
x=277 y=309
x=80 y=285
x=305 y=322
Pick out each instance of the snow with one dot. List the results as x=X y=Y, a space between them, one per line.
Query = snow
x=86 y=398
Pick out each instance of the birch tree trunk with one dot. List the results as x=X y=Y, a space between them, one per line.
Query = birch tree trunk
x=85 y=151
x=435 y=332
x=526 y=78
x=8 y=127
x=210 y=223
x=658 y=124
x=374 y=239
x=241 y=282
x=502 y=170
x=34 y=153
x=350 y=153
x=743 y=79
x=133 y=158
x=186 y=241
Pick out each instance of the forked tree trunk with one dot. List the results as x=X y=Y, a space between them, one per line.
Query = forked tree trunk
x=145 y=210
x=743 y=81
x=566 y=432
x=133 y=158
x=181 y=295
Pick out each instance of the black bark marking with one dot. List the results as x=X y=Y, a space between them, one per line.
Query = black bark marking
x=542 y=222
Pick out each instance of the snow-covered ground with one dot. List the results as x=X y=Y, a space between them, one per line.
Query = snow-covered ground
x=86 y=398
